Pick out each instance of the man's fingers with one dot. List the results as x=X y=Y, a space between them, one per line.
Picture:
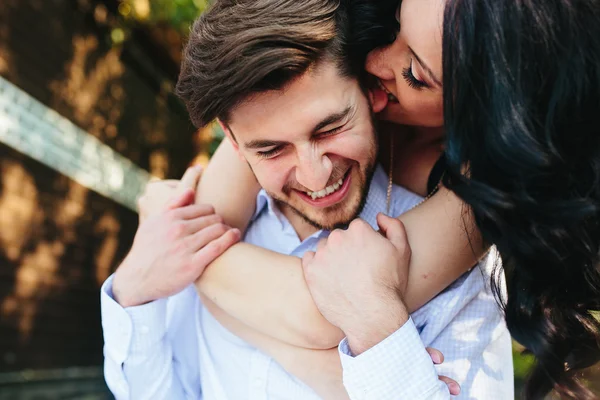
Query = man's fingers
x=307 y=258
x=321 y=244
x=194 y=225
x=215 y=248
x=203 y=237
x=436 y=356
x=393 y=229
x=191 y=178
x=182 y=199
x=153 y=184
x=453 y=386
x=193 y=211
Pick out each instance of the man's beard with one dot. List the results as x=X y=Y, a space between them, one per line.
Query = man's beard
x=368 y=173
x=364 y=191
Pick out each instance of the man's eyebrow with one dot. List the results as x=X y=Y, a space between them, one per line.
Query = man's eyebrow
x=330 y=119
x=333 y=118
x=261 y=144
x=426 y=68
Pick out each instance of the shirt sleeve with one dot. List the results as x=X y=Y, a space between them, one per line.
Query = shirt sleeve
x=138 y=355
x=465 y=324
x=399 y=367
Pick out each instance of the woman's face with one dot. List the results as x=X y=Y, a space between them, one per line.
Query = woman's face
x=410 y=69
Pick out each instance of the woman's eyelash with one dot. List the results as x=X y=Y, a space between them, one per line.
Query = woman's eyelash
x=411 y=80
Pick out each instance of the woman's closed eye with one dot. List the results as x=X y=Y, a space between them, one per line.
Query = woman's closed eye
x=413 y=82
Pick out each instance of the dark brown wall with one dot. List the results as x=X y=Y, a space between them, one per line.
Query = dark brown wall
x=59 y=240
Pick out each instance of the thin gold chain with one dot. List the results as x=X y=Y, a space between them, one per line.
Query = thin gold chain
x=390 y=175
x=391 y=179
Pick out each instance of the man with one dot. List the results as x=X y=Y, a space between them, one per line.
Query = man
x=278 y=76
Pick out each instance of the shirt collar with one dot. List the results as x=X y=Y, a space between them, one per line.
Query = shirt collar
x=377 y=198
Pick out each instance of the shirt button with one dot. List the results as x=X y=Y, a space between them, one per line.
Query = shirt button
x=144 y=330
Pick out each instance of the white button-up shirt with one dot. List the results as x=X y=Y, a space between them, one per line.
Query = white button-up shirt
x=174 y=349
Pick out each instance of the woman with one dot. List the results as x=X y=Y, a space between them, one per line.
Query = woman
x=522 y=90
x=522 y=151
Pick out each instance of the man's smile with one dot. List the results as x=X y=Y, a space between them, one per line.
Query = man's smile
x=329 y=196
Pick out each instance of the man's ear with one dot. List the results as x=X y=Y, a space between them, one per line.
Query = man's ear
x=378 y=99
x=231 y=138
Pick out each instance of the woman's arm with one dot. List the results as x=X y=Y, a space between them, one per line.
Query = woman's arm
x=229 y=185
x=266 y=290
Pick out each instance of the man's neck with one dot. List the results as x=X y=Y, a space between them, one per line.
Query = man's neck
x=303 y=229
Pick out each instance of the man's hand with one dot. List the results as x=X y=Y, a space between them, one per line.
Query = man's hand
x=158 y=193
x=171 y=249
x=357 y=279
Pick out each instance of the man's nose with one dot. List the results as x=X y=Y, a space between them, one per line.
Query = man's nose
x=313 y=171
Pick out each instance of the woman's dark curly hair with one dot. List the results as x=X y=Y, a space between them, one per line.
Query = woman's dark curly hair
x=522 y=116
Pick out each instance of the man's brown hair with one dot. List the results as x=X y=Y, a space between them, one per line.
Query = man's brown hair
x=242 y=47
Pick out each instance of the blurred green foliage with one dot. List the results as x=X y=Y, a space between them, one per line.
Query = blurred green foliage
x=177 y=13
x=522 y=362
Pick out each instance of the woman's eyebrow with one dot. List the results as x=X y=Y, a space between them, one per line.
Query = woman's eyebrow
x=426 y=68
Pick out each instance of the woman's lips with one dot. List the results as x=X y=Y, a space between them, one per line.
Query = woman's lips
x=391 y=97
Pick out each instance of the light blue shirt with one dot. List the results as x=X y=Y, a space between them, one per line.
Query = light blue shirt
x=174 y=349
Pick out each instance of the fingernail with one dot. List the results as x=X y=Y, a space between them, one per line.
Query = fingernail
x=454 y=389
x=436 y=358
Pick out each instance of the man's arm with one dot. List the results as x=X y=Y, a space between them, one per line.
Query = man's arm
x=465 y=324
x=171 y=248
x=140 y=361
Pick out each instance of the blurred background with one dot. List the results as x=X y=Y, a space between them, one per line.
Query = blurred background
x=87 y=115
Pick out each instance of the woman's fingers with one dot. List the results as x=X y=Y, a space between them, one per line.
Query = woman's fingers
x=453 y=386
x=436 y=356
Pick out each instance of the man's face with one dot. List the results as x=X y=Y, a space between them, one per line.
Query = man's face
x=311 y=146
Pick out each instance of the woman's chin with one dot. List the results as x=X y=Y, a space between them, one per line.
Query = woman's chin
x=395 y=115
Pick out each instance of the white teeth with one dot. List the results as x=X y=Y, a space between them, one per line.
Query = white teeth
x=327 y=191
x=390 y=95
